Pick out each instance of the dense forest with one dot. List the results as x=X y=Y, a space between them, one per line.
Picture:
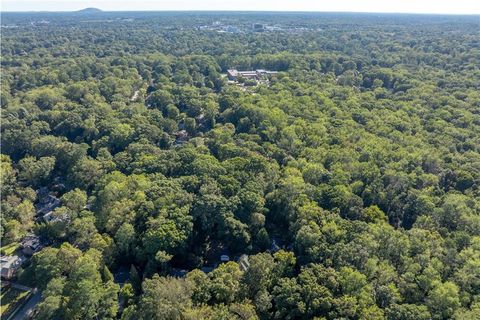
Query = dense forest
x=347 y=186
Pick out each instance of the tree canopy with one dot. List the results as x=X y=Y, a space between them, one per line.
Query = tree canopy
x=344 y=187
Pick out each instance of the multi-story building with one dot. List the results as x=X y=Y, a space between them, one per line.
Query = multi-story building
x=258 y=74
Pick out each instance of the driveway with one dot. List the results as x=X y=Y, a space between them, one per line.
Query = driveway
x=28 y=307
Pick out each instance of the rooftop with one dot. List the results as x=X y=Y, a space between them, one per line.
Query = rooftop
x=32 y=241
x=10 y=261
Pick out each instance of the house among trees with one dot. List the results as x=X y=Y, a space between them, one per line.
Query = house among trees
x=51 y=217
x=47 y=204
x=258 y=27
x=31 y=244
x=10 y=265
x=258 y=74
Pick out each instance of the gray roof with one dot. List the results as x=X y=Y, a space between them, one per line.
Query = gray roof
x=10 y=261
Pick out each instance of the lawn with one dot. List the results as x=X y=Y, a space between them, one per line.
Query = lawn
x=9 y=299
x=9 y=249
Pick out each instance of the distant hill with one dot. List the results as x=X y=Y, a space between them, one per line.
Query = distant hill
x=89 y=10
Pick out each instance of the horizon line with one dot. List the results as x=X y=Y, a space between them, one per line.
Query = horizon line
x=241 y=11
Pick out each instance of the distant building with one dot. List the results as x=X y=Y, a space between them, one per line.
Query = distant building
x=232 y=29
x=268 y=73
x=249 y=74
x=31 y=244
x=258 y=27
x=10 y=266
x=232 y=74
x=258 y=74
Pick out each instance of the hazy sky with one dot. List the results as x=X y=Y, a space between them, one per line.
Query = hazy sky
x=413 y=6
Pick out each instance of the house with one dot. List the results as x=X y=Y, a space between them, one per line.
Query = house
x=47 y=204
x=31 y=244
x=48 y=217
x=258 y=27
x=51 y=217
x=10 y=266
x=258 y=74
x=232 y=74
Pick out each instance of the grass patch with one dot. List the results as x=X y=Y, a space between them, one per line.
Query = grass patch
x=9 y=299
x=9 y=249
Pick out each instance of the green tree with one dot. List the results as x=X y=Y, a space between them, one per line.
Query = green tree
x=443 y=301
x=408 y=311
x=164 y=298
x=225 y=282
x=36 y=171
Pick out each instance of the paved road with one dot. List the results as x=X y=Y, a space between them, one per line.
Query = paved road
x=21 y=287
x=28 y=307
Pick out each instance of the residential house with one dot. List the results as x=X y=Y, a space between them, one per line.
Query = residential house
x=51 y=217
x=31 y=244
x=10 y=266
x=47 y=204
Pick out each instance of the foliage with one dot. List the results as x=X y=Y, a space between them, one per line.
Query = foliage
x=350 y=179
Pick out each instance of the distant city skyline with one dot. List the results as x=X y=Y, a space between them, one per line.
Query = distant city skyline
x=398 y=6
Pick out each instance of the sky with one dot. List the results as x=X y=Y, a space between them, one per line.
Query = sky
x=396 y=6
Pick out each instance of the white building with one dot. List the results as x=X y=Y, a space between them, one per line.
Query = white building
x=10 y=265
